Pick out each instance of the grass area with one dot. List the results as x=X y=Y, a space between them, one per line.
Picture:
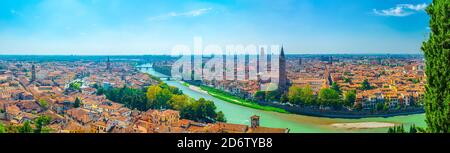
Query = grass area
x=185 y=84
x=236 y=100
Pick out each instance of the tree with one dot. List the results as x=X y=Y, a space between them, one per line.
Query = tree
x=41 y=122
x=386 y=107
x=198 y=110
x=272 y=95
x=158 y=97
x=12 y=129
x=202 y=110
x=179 y=102
x=358 y=106
x=284 y=98
x=77 y=103
x=260 y=95
x=221 y=117
x=365 y=85
x=174 y=90
x=133 y=98
x=76 y=85
x=336 y=87
x=162 y=98
x=207 y=109
x=26 y=128
x=349 y=97
x=294 y=93
x=43 y=103
x=328 y=97
x=413 y=129
x=437 y=60
x=347 y=80
x=380 y=106
x=96 y=86
x=397 y=129
x=382 y=73
x=152 y=94
x=100 y=91
x=2 y=128
x=298 y=95
x=130 y=97
x=308 y=95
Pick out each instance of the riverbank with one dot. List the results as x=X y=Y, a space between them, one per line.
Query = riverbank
x=347 y=114
x=363 y=125
x=235 y=100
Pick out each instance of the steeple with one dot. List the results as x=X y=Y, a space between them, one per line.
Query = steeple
x=108 y=65
x=33 y=73
x=282 y=82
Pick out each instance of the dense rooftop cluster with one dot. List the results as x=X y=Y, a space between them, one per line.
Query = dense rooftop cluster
x=64 y=95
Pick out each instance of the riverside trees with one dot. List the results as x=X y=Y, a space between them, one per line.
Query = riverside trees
x=332 y=97
x=163 y=96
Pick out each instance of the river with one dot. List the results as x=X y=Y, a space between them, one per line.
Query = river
x=296 y=123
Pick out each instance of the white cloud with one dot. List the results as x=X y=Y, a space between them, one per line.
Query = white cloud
x=401 y=10
x=192 y=13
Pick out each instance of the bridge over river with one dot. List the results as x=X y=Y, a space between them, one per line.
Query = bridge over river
x=149 y=67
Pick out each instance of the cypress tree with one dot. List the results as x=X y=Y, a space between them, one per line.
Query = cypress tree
x=437 y=59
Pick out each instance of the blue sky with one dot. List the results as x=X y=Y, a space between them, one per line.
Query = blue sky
x=98 y=27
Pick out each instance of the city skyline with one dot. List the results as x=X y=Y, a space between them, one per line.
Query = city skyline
x=97 y=27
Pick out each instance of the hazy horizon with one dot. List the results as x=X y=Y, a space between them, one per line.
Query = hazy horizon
x=204 y=54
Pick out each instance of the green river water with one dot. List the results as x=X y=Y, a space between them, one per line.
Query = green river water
x=296 y=123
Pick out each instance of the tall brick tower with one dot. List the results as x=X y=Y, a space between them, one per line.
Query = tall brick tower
x=108 y=65
x=33 y=73
x=282 y=83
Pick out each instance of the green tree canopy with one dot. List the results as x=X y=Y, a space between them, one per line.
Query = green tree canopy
x=365 y=85
x=221 y=117
x=347 y=80
x=163 y=96
x=178 y=102
x=76 y=85
x=328 y=97
x=41 y=122
x=260 y=95
x=349 y=97
x=158 y=97
x=336 y=87
x=437 y=59
x=152 y=95
x=77 y=103
x=299 y=95
x=26 y=128
x=206 y=109
x=294 y=94
x=43 y=103
x=2 y=128
x=272 y=95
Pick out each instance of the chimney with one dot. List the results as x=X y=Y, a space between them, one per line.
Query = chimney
x=254 y=121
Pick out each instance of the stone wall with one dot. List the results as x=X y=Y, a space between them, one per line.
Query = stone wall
x=314 y=111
